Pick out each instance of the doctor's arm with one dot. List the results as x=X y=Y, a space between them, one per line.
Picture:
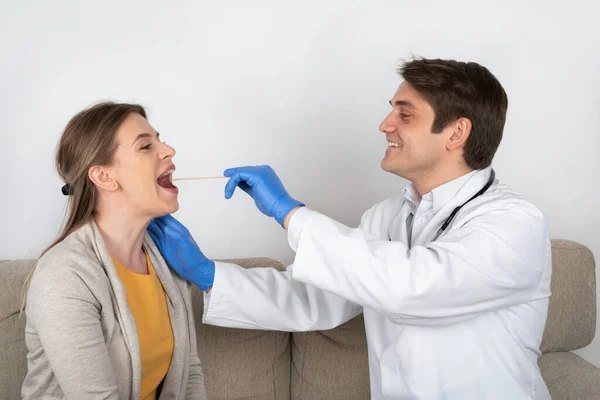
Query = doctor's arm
x=257 y=298
x=495 y=260
x=265 y=298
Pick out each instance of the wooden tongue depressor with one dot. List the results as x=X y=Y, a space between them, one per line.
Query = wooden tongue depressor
x=199 y=178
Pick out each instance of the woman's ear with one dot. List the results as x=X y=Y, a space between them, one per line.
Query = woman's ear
x=462 y=130
x=102 y=178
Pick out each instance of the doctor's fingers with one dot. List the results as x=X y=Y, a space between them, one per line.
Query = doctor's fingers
x=229 y=172
x=167 y=231
x=169 y=221
x=248 y=175
x=155 y=232
x=231 y=184
x=237 y=179
x=246 y=188
x=154 y=238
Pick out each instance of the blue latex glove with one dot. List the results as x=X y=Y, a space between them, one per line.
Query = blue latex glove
x=264 y=186
x=179 y=248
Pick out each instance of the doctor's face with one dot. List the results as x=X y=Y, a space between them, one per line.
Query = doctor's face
x=413 y=151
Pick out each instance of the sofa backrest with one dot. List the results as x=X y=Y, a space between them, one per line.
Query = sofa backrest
x=13 y=364
x=571 y=320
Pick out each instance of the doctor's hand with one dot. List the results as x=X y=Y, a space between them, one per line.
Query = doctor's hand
x=179 y=248
x=264 y=186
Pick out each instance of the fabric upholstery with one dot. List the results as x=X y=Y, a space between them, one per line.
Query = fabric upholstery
x=241 y=363
x=571 y=320
x=331 y=364
x=570 y=377
x=13 y=364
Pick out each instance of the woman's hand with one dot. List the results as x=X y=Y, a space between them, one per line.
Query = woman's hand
x=179 y=248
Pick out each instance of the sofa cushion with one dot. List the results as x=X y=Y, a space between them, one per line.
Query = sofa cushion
x=571 y=320
x=331 y=364
x=243 y=363
x=570 y=377
x=13 y=362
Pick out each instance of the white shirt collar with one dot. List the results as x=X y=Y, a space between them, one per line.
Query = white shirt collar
x=412 y=197
x=441 y=195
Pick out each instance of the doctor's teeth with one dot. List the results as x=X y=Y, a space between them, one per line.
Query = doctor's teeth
x=393 y=144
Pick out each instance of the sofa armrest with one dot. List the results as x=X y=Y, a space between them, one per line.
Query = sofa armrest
x=570 y=377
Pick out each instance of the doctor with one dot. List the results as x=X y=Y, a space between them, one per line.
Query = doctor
x=452 y=275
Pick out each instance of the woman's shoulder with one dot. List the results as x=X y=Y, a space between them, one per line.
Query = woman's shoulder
x=74 y=251
x=68 y=281
x=71 y=264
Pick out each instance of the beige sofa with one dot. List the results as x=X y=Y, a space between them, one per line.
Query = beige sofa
x=331 y=365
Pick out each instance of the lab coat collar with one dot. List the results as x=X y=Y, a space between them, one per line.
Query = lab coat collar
x=443 y=194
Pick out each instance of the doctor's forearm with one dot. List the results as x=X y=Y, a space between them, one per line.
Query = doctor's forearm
x=284 y=304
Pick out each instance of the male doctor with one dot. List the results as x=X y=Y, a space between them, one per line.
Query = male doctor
x=452 y=275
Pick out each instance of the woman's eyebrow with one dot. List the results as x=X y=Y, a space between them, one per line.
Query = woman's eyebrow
x=144 y=135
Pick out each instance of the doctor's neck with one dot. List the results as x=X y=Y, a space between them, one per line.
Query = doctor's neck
x=437 y=176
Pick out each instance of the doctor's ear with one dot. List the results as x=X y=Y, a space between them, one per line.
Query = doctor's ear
x=461 y=131
x=102 y=178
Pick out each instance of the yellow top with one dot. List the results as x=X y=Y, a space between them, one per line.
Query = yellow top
x=148 y=304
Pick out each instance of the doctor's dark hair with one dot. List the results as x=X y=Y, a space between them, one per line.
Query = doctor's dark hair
x=456 y=89
x=89 y=139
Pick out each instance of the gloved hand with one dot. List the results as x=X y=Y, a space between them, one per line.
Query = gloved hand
x=179 y=248
x=264 y=186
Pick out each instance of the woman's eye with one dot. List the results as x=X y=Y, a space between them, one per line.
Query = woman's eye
x=147 y=147
x=404 y=116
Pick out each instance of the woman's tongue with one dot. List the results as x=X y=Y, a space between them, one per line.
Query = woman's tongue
x=165 y=182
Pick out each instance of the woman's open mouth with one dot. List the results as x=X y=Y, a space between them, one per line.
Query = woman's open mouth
x=165 y=181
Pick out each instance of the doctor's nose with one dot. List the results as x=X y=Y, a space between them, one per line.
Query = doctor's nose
x=387 y=125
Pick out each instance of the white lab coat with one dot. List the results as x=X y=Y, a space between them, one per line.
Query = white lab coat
x=459 y=318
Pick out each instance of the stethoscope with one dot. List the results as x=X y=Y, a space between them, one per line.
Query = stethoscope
x=457 y=209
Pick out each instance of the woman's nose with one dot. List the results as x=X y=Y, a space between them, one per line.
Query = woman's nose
x=168 y=152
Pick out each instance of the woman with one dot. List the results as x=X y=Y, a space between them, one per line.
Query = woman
x=106 y=318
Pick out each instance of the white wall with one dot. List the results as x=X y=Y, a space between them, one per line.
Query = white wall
x=298 y=85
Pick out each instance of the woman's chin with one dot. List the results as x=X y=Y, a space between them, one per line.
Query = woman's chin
x=169 y=207
x=173 y=206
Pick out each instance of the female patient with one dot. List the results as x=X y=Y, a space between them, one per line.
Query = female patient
x=106 y=318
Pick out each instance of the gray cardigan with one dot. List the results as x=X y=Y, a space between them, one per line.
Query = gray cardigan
x=80 y=333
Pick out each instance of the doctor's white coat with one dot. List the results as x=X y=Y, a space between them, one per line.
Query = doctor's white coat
x=461 y=317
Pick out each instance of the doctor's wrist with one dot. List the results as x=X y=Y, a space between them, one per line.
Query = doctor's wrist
x=288 y=217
